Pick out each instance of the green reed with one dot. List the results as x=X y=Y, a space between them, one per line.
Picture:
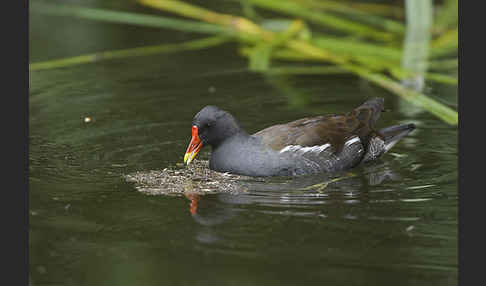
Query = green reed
x=334 y=36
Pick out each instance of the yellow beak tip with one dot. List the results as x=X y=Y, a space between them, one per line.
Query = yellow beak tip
x=189 y=157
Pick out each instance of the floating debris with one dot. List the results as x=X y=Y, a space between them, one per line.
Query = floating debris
x=196 y=178
x=41 y=269
x=397 y=155
x=419 y=187
x=415 y=167
x=119 y=165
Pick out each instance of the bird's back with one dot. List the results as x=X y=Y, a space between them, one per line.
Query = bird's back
x=333 y=129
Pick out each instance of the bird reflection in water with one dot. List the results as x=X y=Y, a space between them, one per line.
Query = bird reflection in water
x=301 y=191
x=344 y=197
x=194 y=198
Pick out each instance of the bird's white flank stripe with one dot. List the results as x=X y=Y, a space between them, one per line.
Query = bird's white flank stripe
x=317 y=149
x=351 y=141
x=302 y=150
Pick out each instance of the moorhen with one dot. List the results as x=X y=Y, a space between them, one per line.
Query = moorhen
x=326 y=143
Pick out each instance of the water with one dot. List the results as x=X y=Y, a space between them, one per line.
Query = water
x=395 y=222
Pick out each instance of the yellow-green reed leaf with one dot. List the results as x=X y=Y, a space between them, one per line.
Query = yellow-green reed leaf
x=437 y=77
x=259 y=58
x=306 y=70
x=363 y=16
x=377 y=9
x=447 y=15
x=281 y=55
x=190 y=11
x=444 y=64
x=445 y=44
x=249 y=11
x=261 y=54
x=350 y=45
x=127 y=18
x=321 y=18
x=448 y=38
x=244 y=26
x=127 y=53
x=279 y=25
x=441 y=78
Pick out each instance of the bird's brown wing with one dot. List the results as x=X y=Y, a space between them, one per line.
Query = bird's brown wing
x=332 y=129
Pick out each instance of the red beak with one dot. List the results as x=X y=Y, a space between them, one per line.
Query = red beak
x=194 y=146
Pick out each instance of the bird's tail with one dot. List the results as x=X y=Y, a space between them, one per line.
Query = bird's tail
x=385 y=140
x=391 y=135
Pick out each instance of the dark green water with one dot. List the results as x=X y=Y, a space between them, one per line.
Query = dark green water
x=393 y=224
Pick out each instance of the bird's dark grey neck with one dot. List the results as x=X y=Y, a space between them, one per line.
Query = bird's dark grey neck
x=229 y=135
x=227 y=127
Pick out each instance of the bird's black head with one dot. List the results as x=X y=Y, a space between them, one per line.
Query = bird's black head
x=211 y=126
x=215 y=125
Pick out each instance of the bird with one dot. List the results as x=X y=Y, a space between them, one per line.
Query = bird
x=312 y=145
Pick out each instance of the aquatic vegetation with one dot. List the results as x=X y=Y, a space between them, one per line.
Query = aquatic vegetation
x=395 y=48
x=197 y=178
